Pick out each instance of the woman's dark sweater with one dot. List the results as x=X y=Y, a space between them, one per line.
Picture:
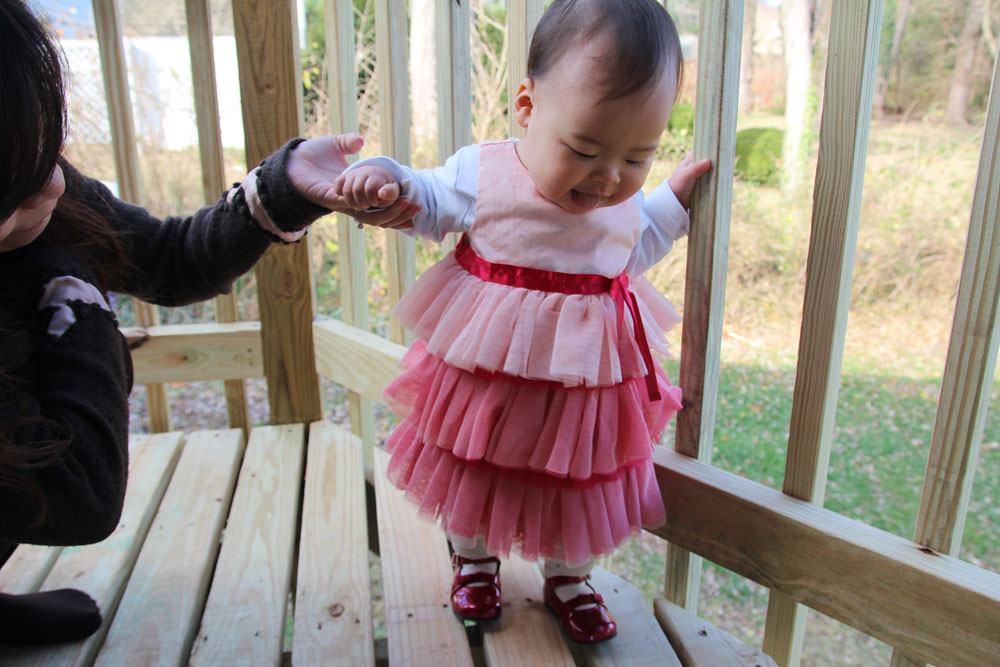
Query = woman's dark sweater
x=76 y=386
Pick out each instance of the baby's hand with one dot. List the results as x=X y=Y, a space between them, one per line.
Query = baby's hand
x=367 y=187
x=683 y=179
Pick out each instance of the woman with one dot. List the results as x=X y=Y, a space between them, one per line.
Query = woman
x=65 y=373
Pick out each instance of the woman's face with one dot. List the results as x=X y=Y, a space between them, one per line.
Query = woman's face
x=30 y=219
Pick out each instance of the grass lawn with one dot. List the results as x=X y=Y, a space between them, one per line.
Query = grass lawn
x=881 y=441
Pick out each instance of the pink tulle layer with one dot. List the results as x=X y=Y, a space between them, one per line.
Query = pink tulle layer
x=512 y=514
x=572 y=338
x=530 y=425
x=532 y=466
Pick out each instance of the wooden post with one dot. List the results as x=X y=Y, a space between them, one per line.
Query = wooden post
x=721 y=32
x=454 y=83
x=213 y=170
x=394 y=119
x=522 y=17
x=850 y=78
x=271 y=91
x=353 y=274
x=113 y=65
x=970 y=364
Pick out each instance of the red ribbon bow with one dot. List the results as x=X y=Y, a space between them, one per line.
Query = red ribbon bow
x=565 y=283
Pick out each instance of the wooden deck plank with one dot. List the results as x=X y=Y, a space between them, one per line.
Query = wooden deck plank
x=526 y=633
x=160 y=612
x=244 y=616
x=698 y=643
x=103 y=569
x=421 y=628
x=640 y=639
x=27 y=568
x=333 y=619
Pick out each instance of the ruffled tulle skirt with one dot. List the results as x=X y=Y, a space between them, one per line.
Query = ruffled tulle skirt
x=532 y=466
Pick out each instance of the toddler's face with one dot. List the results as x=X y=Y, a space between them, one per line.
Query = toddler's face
x=584 y=152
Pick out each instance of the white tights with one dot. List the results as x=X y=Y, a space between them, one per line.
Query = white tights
x=476 y=549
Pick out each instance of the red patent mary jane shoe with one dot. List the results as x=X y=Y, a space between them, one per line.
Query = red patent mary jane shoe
x=585 y=626
x=476 y=603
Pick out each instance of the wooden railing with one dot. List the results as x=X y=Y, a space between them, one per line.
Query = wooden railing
x=914 y=595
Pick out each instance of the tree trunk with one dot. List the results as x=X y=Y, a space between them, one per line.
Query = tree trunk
x=746 y=57
x=957 y=110
x=795 y=26
x=423 y=79
x=889 y=63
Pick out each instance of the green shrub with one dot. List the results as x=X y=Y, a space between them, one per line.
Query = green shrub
x=681 y=120
x=758 y=155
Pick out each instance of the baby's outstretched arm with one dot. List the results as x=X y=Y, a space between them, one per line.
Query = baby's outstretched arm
x=683 y=179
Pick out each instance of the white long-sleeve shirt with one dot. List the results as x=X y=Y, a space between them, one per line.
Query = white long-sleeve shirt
x=447 y=196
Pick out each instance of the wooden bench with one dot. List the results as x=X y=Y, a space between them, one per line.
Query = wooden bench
x=230 y=554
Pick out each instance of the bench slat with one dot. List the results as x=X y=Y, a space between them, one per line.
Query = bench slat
x=27 y=568
x=159 y=614
x=417 y=579
x=102 y=569
x=701 y=644
x=244 y=616
x=333 y=619
x=526 y=633
x=640 y=639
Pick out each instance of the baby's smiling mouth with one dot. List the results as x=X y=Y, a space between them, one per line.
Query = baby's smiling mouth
x=585 y=200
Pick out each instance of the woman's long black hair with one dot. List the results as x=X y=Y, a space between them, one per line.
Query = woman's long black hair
x=32 y=134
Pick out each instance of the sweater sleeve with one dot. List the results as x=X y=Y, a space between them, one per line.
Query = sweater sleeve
x=664 y=221
x=80 y=399
x=179 y=260
x=446 y=194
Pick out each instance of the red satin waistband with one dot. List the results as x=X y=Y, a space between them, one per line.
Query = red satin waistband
x=565 y=283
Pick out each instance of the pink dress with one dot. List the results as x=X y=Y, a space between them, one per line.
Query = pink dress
x=528 y=416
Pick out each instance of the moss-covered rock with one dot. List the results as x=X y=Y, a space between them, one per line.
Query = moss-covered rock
x=758 y=155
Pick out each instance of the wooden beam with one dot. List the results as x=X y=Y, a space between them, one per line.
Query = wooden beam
x=271 y=89
x=721 y=27
x=526 y=633
x=640 y=639
x=213 y=170
x=701 y=644
x=939 y=608
x=333 y=613
x=850 y=80
x=421 y=627
x=522 y=17
x=454 y=83
x=970 y=364
x=160 y=612
x=195 y=352
x=244 y=617
x=343 y=92
x=107 y=20
x=391 y=39
x=359 y=360
x=103 y=569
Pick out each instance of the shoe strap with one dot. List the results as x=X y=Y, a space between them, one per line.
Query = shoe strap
x=462 y=560
x=563 y=581
x=585 y=599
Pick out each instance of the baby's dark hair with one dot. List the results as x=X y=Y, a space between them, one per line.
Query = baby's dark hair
x=644 y=40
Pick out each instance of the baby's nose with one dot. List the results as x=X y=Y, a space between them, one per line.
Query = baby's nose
x=607 y=175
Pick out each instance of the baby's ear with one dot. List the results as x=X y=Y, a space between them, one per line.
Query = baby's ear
x=524 y=101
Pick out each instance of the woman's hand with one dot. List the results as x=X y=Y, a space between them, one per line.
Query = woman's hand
x=314 y=167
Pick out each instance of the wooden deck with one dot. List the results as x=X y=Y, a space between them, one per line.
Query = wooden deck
x=229 y=554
